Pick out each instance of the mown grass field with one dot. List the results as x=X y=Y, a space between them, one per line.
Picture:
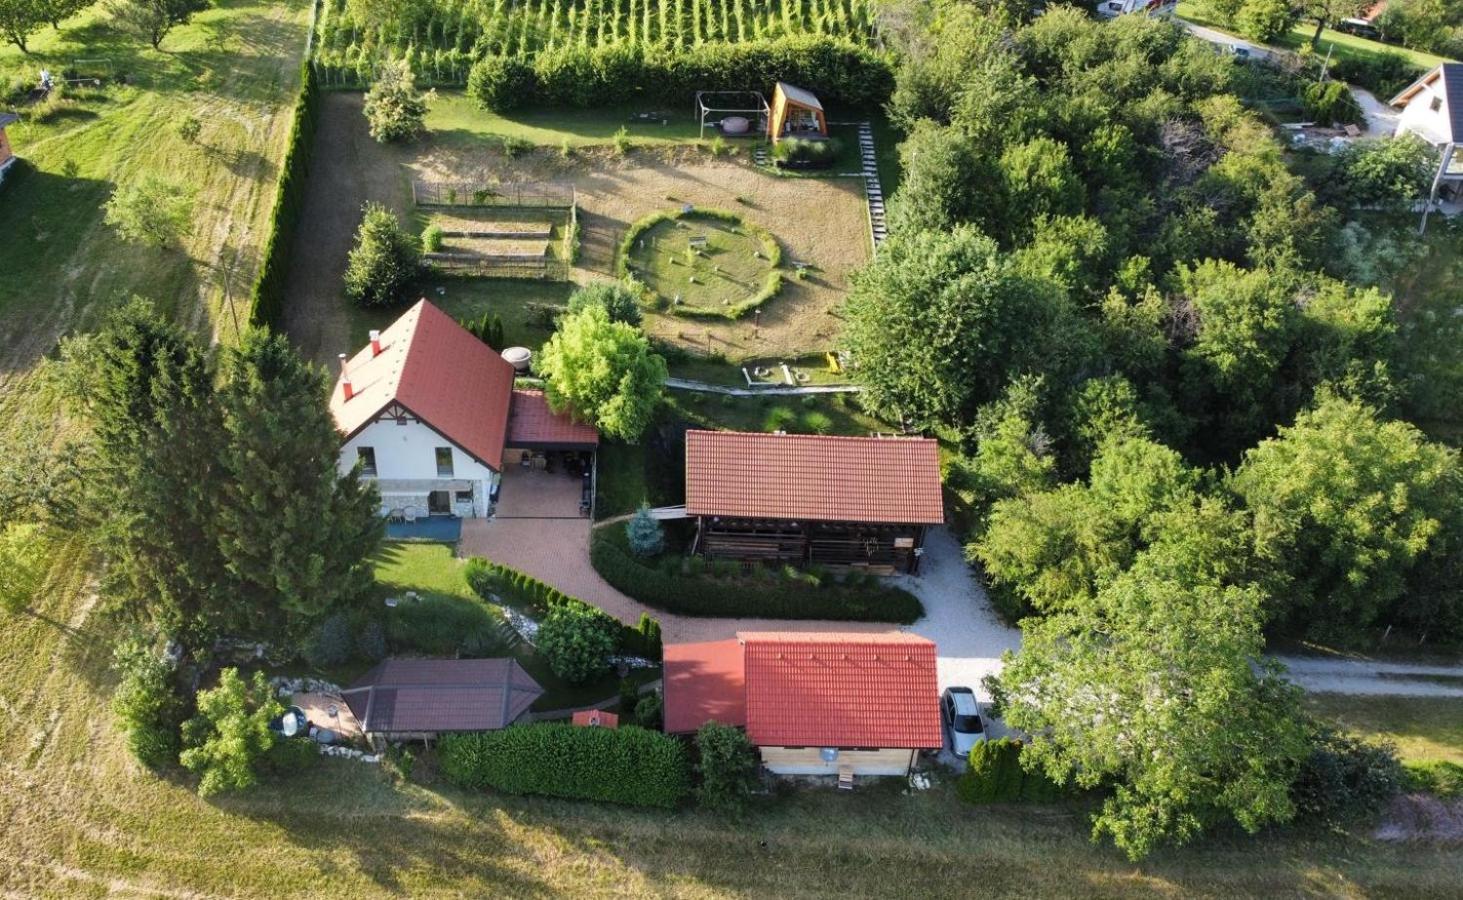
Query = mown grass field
x=82 y=821
x=1424 y=729
x=235 y=69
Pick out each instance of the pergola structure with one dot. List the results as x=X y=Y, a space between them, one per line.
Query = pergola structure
x=750 y=105
x=795 y=113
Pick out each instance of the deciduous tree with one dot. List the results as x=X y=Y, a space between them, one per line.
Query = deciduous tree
x=151 y=210
x=1344 y=504
x=19 y=19
x=603 y=372
x=151 y=20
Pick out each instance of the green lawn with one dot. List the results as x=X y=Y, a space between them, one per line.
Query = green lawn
x=526 y=307
x=455 y=118
x=726 y=268
x=234 y=68
x=1425 y=729
x=433 y=571
x=1341 y=45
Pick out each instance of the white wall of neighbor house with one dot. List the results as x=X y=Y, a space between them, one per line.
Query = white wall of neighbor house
x=408 y=452
x=1420 y=118
x=809 y=761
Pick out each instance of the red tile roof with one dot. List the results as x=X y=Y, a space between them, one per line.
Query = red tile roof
x=703 y=683
x=442 y=374
x=841 y=690
x=595 y=718
x=532 y=424
x=437 y=695
x=818 y=477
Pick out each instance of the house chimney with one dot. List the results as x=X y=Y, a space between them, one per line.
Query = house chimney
x=345 y=379
x=375 y=343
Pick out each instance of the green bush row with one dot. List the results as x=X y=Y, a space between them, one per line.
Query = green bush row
x=535 y=598
x=776 y=598
x=841 y=71
x=627 y=765
x=266 y=303
x=994 y=775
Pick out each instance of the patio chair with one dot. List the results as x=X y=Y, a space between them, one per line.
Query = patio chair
x=396 y=514
x=409 y=515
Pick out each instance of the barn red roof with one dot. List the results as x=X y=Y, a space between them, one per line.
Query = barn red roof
x=818 y=477
x=703 y=683
x=440 y=373
x=532 y=424
x=841 y=690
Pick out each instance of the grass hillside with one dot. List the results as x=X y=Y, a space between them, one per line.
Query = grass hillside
x=234 y=68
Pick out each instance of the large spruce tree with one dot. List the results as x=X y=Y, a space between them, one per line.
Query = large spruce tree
x=297 y=536
x=154 y=473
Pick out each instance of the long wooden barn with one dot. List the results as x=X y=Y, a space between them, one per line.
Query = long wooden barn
x=837 y=501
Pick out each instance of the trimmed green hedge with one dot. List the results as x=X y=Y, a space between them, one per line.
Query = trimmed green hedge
x=841 y=71
x=266 y=304
x=535 y=598
x=772 y=596
x=994 y=775
x=626 y=765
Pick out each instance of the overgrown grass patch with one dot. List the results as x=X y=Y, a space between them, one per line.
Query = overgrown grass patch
x=1425 y=729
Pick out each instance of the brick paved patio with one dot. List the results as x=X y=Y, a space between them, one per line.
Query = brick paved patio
x=556 y=551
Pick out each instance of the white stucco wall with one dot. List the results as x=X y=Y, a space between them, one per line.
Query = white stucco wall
x=408 y=453
x=1419 y=118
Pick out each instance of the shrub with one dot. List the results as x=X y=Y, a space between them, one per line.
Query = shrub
x=501 y=83
x=629 y=698
x=621 y=141
x=618 y=298
x=331 y=644
x=151 y=211
x=189 y=128
x=487 y=328
x=694 y=595
x=809 y=152
x=1331 y=102
x=371 y=641
x=1344 y=777
x=445 y=626
x=535 y=598
x=644 y=533
x=395 y=109
x=1384 y=74
x=431 y=239
x=383 y=262
x=267 y=297
x=228 y=739
x=577 y=640
x=648 y=712
x=149 y=706
x=626 y=765
x=994 y=774
x=1440 y=777
x=1265 y=20
x=727 y=766
x=515 y=146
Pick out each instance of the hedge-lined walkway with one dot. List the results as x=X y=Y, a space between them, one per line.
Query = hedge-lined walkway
x=556 y=551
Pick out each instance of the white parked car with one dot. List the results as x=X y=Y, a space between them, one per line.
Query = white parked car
x=961 y=712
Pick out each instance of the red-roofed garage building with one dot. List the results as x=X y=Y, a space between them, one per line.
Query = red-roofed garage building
x=813 y=704
x=840 y=501
x=427 y=410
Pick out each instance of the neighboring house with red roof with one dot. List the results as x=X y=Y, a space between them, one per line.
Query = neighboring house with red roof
x=846 y=501
x=427 y=410
x=813 y=704
x=1432 y=109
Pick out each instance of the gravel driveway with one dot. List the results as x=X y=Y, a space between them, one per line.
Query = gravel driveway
x=1364 y=676
x=958 y=616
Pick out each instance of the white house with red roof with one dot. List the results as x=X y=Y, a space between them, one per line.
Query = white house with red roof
x=427 y=411
x=813 y=703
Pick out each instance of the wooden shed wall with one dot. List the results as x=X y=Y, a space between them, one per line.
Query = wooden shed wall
x=809 y=761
